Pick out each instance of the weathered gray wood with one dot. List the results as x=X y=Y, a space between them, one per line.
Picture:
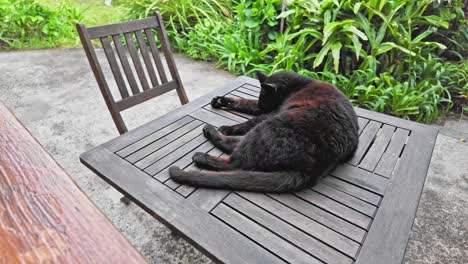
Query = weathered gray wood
x=389 y=233
x=163 y=151
x=212 y=118
x=114 y=67
x=263 y=236
x=100 y=79
x=321 y=216
x=119 y=28
x=362 y=122
x=146 y=95
x=248 y=91
x=328 y=236
x=163 y=141
x=227 y=114
x=243 y=95
x=376 y=151
x=154 y=136
x=125 y=65
x=156 y=57
x=346 y=199
x=365 y=140
x=144 y=53
x=389 y=158
x=198 y=142
x=136 y=61
x=361 y=178
x=255 y=88
x=288 y=232
x=337 y=209
x=210 y=236
x=353 y=190
x=183 y=162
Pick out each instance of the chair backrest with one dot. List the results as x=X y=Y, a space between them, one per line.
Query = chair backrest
x=137 y=39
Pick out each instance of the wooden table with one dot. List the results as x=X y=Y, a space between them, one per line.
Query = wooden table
x=44 y=216
x=362 y=212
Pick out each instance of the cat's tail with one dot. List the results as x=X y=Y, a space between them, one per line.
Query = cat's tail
x=282 y=181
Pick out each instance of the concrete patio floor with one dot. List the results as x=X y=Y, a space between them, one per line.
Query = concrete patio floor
x=54 y=94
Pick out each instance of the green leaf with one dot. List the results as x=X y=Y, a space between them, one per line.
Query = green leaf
x=356 y=31
x=357 y=46
x=321 y=55
x=250 y=23
x=286 y=14
x=437 y=21
x=336 y=47
x=356 y=7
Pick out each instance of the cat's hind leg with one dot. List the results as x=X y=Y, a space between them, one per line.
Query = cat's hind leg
x=206 y=161
x=225 y=143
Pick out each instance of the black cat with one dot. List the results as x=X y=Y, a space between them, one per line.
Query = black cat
x=303 y=128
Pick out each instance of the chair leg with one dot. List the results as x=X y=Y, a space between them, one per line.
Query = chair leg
x=125 y=200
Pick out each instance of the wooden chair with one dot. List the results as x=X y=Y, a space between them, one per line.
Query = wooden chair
x=118 y=40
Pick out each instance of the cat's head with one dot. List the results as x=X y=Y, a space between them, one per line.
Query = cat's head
x=277 y=87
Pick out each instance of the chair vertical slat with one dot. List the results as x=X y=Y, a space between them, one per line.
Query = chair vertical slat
x=146 y=58
x=114 y=67
x=125 y=65
x=93 y=61
x=170 y=59
x=155 y=53
x=136 y=61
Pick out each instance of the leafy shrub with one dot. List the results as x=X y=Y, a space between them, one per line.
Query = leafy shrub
x=387 y=56
x=26 y=23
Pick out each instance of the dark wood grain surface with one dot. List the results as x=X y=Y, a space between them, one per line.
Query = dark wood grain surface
x=361 y=213
x=44 y=216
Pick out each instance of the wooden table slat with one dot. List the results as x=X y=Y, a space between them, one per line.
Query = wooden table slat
x=262 y=236
x=320 y=215
x=227 y=114
x=153 y=137
x=365 y=140
x=376 y=151
x=176 y=154
x=163 y=141
x=321 y=232
x=391 y=155
x=287 y=231
x=336 y=208
x=353 y=190
x=212 y=118
x=346 y=199
x=183 y=162
x=166 y=149
x=361 y=178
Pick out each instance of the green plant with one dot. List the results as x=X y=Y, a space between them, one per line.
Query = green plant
x=26 y=23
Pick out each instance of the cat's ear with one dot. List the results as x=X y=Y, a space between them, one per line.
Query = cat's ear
x=261 y=76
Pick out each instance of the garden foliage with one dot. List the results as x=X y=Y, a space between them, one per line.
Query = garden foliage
x=27 y=23
x=402 y=57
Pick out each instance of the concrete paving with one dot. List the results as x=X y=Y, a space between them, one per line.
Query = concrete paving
x=54 y=94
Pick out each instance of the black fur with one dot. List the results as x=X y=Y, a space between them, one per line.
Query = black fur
x=303 y=128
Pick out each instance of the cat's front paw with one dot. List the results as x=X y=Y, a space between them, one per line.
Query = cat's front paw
x=209 y=131
x=218 y=102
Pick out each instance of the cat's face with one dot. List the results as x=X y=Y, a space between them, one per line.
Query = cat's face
x=276 y=88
